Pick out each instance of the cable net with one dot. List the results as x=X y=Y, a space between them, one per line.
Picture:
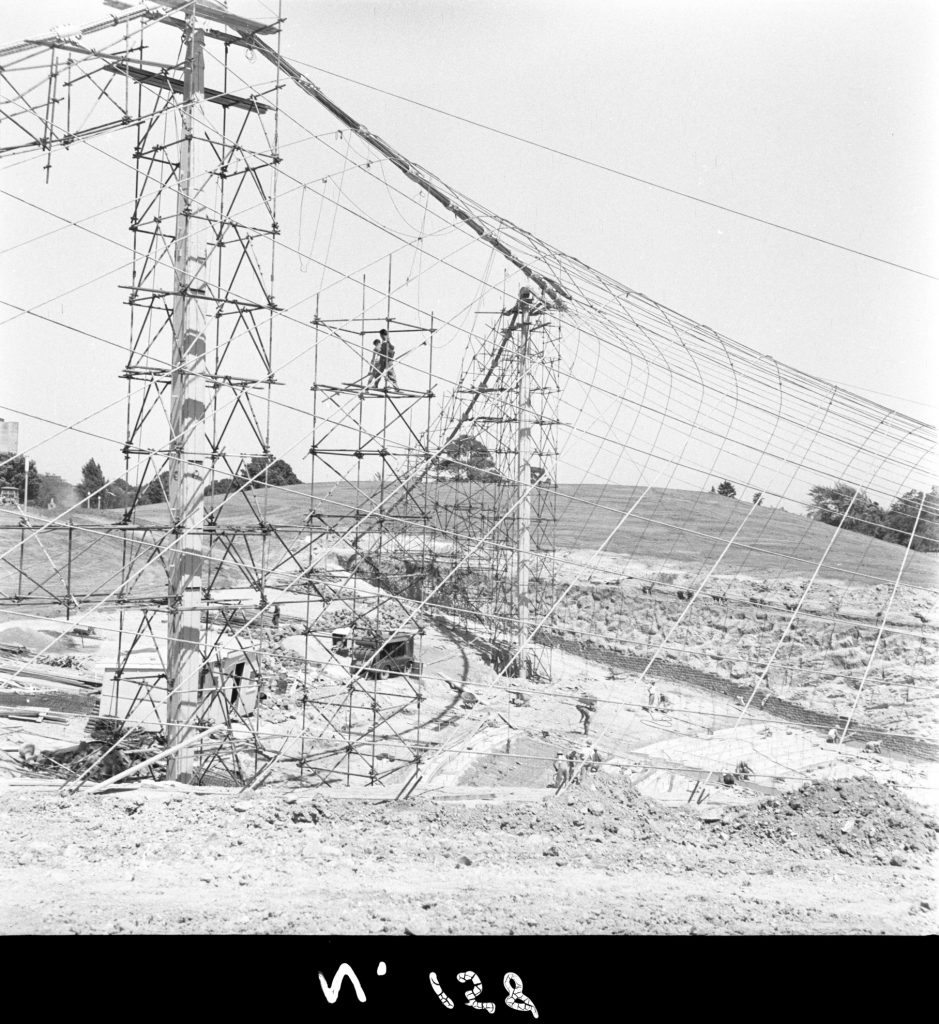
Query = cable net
x=562 y=491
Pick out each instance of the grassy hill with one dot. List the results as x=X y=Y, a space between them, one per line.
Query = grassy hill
x=668 y=528
x=692 y=529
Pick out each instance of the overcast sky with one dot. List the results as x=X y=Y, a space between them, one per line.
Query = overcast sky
x=821 y=116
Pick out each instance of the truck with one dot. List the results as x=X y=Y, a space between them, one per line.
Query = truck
x=376 y=656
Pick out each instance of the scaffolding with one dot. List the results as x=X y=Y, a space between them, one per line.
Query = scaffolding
x=434 y=494
x=496 y=489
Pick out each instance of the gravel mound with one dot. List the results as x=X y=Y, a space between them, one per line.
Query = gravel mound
x=852 y=817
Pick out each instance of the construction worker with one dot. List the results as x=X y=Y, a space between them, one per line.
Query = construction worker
x=383 y=362
x=527 y=300
x=585 y=708
x=561 y=769
x=590 y=759
x=275 y=618
x=652 y=695
x=832 y=736
x=743 y=770
x=573 y=767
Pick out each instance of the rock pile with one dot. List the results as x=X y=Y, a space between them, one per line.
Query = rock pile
x=857 y=818
x=110 y=749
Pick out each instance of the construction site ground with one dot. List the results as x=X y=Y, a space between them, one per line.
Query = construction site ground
x=645 y=846
x=825 y=838
x=601 y=860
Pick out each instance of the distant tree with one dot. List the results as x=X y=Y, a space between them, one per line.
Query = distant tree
x=845 y=506
x=467 y=459
x=914 y=513
x=757 y=498
x=53 y=488
x=92 y=483
x=222 y=486
x=252 y=474
x=12 y=474
x=727 y=490
x=157 y=491
x=279 y=473
x=120 y=493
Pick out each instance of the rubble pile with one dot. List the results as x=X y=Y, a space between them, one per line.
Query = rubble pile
x=381 y=621
x=61 y=660
x=853 y=817
x=109 y=749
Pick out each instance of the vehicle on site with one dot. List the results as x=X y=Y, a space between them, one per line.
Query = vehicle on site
x=377 y=656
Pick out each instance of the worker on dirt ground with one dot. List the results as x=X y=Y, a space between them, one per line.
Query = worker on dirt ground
x=652 y=696
x=275 y=618
x=832 y=736
x=664 y=702
x=27 y=753
x=561 y=769
x=743 y=770
x=383 y=355
x=590 y=758
x=585 y=708
x=518 y=699
x=573 y=769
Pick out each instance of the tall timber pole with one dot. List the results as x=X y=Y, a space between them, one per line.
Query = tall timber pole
x=524 y=478
x=187 y=415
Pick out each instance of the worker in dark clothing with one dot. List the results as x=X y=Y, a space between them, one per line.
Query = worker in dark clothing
x=527 y=301
x=275 y=618
x=585 y=708
x=383 y=362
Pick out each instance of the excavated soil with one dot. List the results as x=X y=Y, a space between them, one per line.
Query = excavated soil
x=856 y=818
x=600 y=859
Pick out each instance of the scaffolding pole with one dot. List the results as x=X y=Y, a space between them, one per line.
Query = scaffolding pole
x=524 y=483
x=187 y=416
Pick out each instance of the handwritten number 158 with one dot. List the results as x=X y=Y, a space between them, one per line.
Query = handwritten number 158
x=515 y=1000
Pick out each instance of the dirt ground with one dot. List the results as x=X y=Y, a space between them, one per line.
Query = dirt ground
x=485 y=847
x=603 y=860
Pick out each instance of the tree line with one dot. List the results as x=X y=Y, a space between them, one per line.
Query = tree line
x=914 y=513
x=48 y=490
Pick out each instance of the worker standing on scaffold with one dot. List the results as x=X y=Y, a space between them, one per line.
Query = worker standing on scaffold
x=383 y=362
x=527 y=300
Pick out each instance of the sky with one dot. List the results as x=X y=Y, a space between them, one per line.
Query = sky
x=819 y=116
